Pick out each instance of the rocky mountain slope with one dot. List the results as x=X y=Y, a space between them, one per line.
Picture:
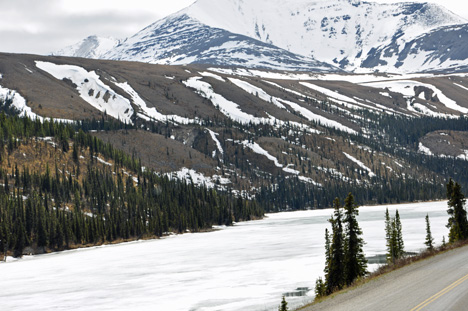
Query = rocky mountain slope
x=293 y=140
x=300 y=34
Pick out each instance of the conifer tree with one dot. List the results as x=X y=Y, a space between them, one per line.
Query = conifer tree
x=429 y=240
x=284 y=305
x=320 y=288
x=21 y=238
x=457 y=223
x=320 y=285
x=355 y=261
x=400 y=246
x=394 y=237
x=388 y=237
x=327 y=251
x=336 y=273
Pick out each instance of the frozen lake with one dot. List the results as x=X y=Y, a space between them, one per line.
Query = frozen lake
x=245 y=267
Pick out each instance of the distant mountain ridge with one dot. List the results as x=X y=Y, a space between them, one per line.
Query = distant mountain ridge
x=91 y=47
x=295 y=35
x=173 y=43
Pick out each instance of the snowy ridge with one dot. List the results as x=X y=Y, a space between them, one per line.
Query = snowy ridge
x=180 y=39
x=347 y=31
x=91 y=47
x=92 y=90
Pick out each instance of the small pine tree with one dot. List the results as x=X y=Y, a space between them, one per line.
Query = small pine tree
x=320 y=288
x=429 y=240
x=284 y=305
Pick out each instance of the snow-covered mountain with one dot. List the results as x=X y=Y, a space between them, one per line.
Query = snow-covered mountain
x=342 y=32
x=184 y=40
x=90 y=47
x=444 y=48
x=298 y=34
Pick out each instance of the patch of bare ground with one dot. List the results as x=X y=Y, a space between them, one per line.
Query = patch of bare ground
x=448 y=143
x=160 y=153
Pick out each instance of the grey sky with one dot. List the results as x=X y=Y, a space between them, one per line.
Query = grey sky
x=44 y=26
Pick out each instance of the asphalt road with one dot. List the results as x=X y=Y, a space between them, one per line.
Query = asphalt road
x=438 y=283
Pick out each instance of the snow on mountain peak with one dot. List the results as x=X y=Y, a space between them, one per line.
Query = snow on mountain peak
x=337 y=31
x=289 y=35
x=90 y=47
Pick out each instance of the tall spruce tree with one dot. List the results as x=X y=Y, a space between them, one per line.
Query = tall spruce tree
x=327 y=251
x=400 y=250
x=388 y=237
x=429 y=239
x=457 y=223
x=355 y=261
x=394 y=237
x=336 y=273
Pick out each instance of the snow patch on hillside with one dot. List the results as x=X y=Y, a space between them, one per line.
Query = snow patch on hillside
x=259 y=150
x=251 y=89
x=232 y=110
x=92 y=89
x=151 y=113
x=217 y=142
x=424 y=149
x=407 y=89
x=192 y=176
x=256 y=148
x=227 y=107
x=212 y=75
x=256 y=91
x=339 y=98
x=371 y=174
x=19 y=103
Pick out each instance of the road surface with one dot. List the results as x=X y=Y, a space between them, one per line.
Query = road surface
x=437 y=283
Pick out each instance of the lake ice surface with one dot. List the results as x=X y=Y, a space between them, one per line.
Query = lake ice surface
x=245 y=267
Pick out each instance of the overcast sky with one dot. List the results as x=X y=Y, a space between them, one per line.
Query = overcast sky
x=44 y=26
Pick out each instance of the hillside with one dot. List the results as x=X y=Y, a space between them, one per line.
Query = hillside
x=290 y=140
x=62 y=189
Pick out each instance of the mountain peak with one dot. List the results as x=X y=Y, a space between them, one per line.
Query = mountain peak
x=344 y=33
x=90 y=47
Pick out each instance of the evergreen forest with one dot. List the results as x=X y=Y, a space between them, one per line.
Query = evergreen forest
x=63 y=188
